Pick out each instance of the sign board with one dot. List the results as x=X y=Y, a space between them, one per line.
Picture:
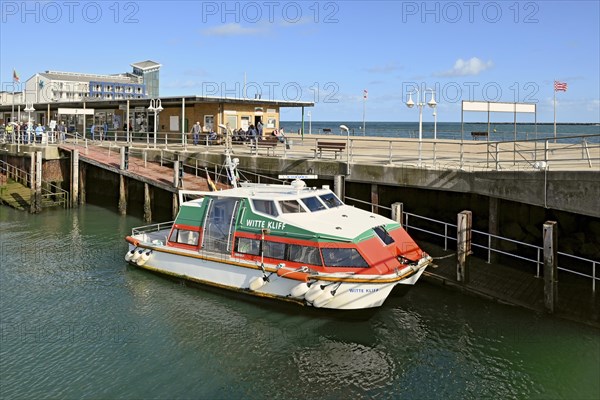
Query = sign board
x=140 y=109
x=76 y=111
x=123 y=107
x=298 y=176
x=486 y=106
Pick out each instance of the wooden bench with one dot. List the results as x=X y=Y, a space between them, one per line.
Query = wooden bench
x=475 y=135
x=267 y=142
x=335 y=147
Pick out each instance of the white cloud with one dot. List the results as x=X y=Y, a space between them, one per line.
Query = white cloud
x=472 y=66
x=231 y=29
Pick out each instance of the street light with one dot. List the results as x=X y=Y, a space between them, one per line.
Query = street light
x=345 y=128
x=29 y=109
x=421 y=103
x=432 y=104
x=156 y=107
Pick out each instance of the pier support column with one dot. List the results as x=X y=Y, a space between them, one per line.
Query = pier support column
x=398 y=212
x=374 y=198
x=493 y=227
x=175 y=205
x=338 y=187
x=550 y=266
x=74 y=177
x=36 y=183
x=147 y=204
x=82 y=174
x=178 y=173
x=463 y=245
x=122 y=196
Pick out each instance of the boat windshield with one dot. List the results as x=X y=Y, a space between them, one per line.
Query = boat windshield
x=291 y=206
x=313 y=203
x=265 y=207
x=347 y=257
x=383 y=235
x=331 y=200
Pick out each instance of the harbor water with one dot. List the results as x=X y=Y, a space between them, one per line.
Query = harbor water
x=77 y=322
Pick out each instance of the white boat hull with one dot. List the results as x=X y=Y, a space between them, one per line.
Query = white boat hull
x=340 y=292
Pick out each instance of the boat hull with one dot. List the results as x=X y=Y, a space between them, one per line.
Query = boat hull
x=334 y=291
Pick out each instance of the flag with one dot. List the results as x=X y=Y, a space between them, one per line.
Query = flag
x=365 y=94
x=560 y=86
x=16 y=78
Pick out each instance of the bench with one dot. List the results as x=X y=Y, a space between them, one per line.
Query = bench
x=475 y=135
x=204 y=139
x=335 y=147
x=267 y=142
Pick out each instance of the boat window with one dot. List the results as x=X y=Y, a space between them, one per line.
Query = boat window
x=331 y=200
x=265 y=206
x=274 y=250
x=184 y=237
x=248 y=246
x=304 y=254
x=383 y=235
x=313 y=203
x=347 y=257
x=291 y=206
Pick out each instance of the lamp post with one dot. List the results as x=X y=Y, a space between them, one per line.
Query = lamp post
x=421 y=103
x=156 y=107
x=345 y=128
x=29 y=109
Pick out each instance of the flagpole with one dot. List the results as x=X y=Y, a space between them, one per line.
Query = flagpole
x=554 y=88
x=364 y=107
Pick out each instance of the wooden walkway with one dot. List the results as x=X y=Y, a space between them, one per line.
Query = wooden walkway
x=15 y=194
x=149 y=172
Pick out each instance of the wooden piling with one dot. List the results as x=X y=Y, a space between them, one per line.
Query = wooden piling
x=74 y=178
x=82 y=175
x=338 y=187
x=175 y=205
x=398 y=212
x=122 y=196
x=550 y=234
x=147 y=204
x=36 y=184
x=374 y=198
x=463 y=245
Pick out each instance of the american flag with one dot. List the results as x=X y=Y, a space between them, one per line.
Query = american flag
x=560 y=86
x=365 y=94
x=16 y=78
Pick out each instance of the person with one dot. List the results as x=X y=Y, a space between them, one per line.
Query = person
x=259 y=127
x=62 y=131
x=39 y=130
x=196 y=128
x=93 y=131
x=10 y=132
x=252 y=133
x=279 y=135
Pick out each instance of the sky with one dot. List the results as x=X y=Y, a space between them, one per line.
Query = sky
x=327 y=52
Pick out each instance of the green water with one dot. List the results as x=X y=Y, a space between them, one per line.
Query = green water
x=77 y=322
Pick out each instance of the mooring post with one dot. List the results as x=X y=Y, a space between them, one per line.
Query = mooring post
x=74 y=177
x=147 y=204
x=82 y=174
x=374 y=198
x=36 y=197
x=398 y=212
x=550 y=265
x=124 y=165
x=175 y=205
x=338 y=187
x=463 y=245
x=122 y=195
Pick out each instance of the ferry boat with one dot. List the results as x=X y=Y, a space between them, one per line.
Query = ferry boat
x=290 y=242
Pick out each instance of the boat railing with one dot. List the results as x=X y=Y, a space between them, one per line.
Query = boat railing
x=152 y=228
x=487 y=246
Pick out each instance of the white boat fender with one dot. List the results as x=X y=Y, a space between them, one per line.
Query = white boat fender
x=129 y=254
x=300 y=289
x=258 y=282
x=143 y=258
x=314 y=292
x=137 y=255
x=327 y=295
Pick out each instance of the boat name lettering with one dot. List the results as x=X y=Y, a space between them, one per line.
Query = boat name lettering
x=371 y=290
x=257 y=223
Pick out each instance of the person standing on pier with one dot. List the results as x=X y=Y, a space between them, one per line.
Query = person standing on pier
x=196 y=128
x=62 y=131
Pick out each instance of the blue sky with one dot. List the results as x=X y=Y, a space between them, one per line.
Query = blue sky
x=327 y=51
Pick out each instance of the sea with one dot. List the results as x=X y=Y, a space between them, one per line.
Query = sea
x=77 y=322
x=570 y=133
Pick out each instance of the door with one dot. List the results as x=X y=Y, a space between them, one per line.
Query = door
x=220 y=224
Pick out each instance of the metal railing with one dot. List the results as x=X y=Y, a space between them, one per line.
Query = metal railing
x=52 y=195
